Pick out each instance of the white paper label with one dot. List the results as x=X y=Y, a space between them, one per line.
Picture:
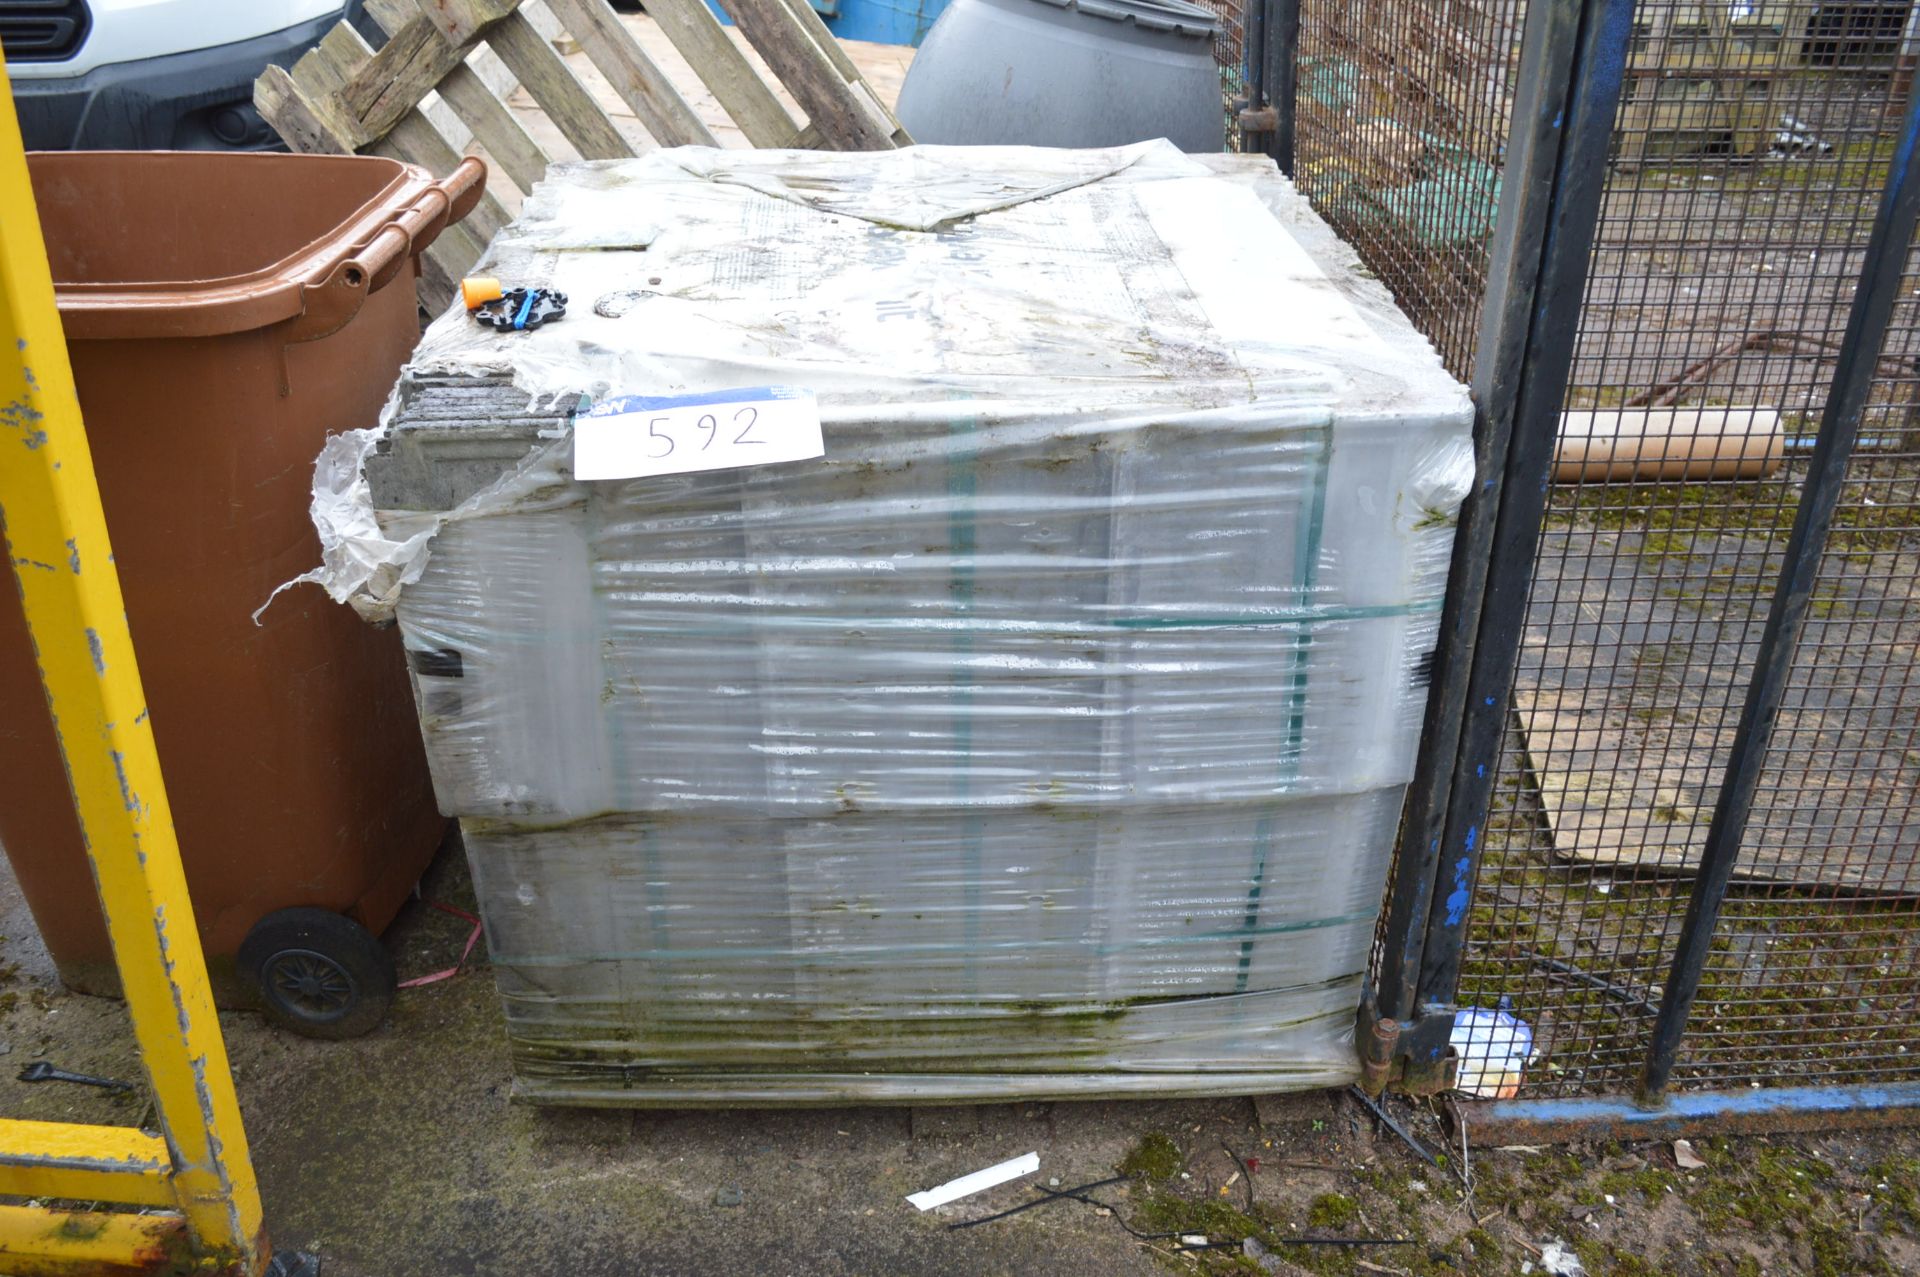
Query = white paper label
x=634 y=436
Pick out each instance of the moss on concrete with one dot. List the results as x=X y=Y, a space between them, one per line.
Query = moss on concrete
x=1333 y=1210
x=1155 y=1158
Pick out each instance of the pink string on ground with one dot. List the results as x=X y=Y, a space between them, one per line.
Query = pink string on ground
x=473 y=938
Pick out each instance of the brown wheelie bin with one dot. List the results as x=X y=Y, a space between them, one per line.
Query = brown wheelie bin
x=224 y=314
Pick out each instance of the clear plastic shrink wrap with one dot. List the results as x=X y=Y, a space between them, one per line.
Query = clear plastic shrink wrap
x=1047 y=736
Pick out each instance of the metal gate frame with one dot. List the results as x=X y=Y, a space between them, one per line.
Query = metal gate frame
x=1573 y=63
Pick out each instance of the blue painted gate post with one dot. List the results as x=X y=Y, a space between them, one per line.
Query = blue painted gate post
x=1572 y=68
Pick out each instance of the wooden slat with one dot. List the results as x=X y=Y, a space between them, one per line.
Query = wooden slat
x=305 y=108
x=421 y=143
x=634 y=76
x=810 y=22
x=318 y=82
x=391 y=15
x=344 y=96
x=717 y=60
x=544 y=74
x=322 y=71
x=339 y=57
x=461 y=22
x=494 y=127
x=810 y=75
x=413 y=137
x=396 y=79
x=877 y=111
x=302 y=124
x=429 y=41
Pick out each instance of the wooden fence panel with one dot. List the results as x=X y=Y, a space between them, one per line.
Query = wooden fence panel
x=345 y=97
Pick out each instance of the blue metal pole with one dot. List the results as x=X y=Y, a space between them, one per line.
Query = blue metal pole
x=1572 y=73
x=1768 y=1110
x=1605 y=36
x=1547 y=51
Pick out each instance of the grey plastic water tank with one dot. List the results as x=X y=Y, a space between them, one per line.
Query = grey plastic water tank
x=1067 y=73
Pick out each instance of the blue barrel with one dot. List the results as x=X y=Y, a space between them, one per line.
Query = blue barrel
x=877 y=21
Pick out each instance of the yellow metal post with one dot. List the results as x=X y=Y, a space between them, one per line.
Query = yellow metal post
x=36 y=1242
x=57 y=540
x=85 y=1163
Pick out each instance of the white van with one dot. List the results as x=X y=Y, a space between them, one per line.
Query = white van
x=153 y=74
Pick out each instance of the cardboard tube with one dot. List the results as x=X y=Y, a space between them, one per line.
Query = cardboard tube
x=1686 y=444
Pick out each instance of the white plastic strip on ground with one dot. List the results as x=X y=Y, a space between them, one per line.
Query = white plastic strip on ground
x=967 y=1185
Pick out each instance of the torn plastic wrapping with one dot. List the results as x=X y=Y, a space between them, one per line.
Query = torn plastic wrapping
x=1047 y=736
x=368 y=556
x=364 y=561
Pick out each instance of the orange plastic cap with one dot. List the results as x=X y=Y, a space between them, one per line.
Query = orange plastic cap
x=477 y=290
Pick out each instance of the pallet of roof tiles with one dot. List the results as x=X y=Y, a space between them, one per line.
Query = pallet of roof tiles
x=345 y=97
x=1039 y=731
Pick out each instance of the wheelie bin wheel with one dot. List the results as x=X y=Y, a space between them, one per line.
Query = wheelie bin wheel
x=318 y=973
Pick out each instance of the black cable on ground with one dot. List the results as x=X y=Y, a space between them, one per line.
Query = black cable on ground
x=1393 y=1125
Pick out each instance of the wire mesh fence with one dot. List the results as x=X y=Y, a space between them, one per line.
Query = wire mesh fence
x=1230 y=55
x=1401 y=118
x=1399 y=101
x=1749 y=155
